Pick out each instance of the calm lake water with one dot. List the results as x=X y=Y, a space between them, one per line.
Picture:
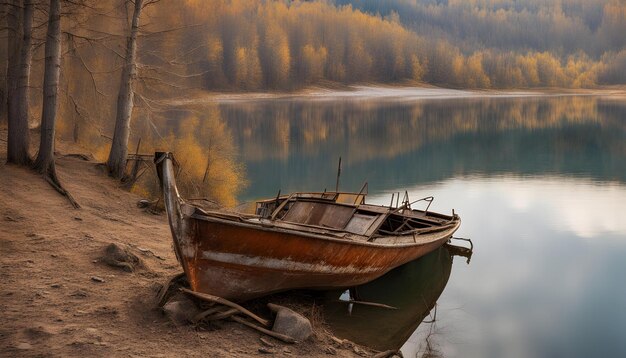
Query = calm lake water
x=539 y=182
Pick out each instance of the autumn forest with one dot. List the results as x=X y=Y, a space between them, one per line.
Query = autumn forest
x=146 y=54
x=251 y=45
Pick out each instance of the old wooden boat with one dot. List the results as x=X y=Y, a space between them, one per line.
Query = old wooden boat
x=303 y=240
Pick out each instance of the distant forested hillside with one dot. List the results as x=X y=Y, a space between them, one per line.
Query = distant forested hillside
x=593 y=30
x=250 y=45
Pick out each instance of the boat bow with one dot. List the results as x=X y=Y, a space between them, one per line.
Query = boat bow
x=178 y=212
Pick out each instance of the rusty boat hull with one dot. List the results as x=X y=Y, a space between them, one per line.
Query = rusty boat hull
x=240 y=257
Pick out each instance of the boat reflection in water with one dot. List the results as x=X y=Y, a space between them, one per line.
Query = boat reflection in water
x=413 y=289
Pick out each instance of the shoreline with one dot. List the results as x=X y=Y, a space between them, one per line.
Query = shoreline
x=394 y=93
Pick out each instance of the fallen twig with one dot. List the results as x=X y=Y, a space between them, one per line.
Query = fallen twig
x=278 y=336
x=385 y=354
x=166 y=288
x=223 y=301
x=202 y=315
x=373 y=304
x=147 y=252
x=222 y=315
x=80 y=156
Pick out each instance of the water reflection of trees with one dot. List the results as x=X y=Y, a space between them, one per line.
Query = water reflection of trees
x=432 y=140
x=294 y=144
x=279 y=126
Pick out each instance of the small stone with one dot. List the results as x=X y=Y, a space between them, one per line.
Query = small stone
x=97 y=279
x=287 y=350
x=88 y=236
x=119 y=257
x=266 y=350
x=79 y=293
x=106 y=310
x=78 y=218
x=358 y=351
x=330 y=350
x=24 y=346
x=290 y=323
x=54 y=255
x=180 y=309
x=55 y=285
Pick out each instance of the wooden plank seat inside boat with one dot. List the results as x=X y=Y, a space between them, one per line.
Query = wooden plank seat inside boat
x=365 y=220
x=319 y=214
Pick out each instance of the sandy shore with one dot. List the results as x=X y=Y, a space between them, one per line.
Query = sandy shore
x=50 y=252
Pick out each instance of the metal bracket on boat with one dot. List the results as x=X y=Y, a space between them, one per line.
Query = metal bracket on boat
x=160 y=156
x=407 y=205
x=461 y=250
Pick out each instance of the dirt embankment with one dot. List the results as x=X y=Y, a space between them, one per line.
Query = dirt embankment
x=59 y=298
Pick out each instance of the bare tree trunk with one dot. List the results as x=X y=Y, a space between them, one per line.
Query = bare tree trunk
x=4 y=49
x=13 y=50
x=119 y=147
x=44 y=163
x=19 y=134
x=52 y=73
x=13 y=35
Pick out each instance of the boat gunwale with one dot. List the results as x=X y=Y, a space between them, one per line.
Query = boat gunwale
x=456 y=221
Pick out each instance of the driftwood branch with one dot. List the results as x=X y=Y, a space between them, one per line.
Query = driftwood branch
x=223 y=301
x=279 y=336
